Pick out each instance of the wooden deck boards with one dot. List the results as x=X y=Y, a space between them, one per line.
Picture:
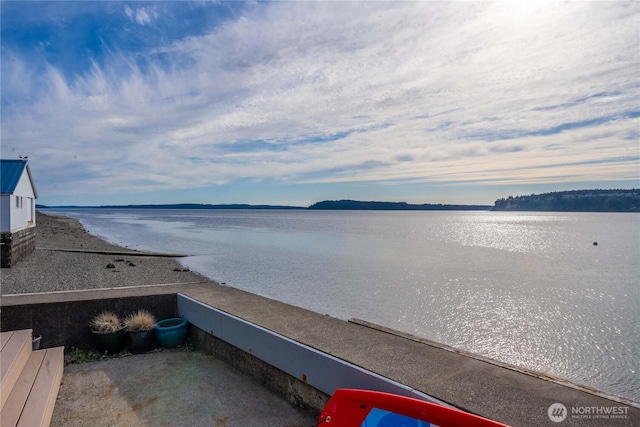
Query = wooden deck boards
x=13 y=356
x=30 y=380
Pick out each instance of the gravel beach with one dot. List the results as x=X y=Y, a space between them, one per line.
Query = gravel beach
x=50 y=269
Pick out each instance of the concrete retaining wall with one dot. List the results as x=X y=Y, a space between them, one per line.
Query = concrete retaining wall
x=293 y=390
x=66 y=323
x=16 y=246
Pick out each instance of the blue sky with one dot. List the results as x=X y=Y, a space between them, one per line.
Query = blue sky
x=296 y=102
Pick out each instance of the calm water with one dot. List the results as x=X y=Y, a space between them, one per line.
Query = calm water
x=529 y=289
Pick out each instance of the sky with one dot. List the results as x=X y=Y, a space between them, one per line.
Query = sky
x=295 y=102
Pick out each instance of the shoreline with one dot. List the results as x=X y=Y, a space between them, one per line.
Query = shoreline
x=68 y=258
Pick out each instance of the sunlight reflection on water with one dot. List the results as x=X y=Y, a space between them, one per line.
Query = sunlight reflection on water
x=527 y=289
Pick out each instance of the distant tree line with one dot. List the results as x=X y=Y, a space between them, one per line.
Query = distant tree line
x=390 y=206
x=562 y=201
x=574 y=201
x=176 y=206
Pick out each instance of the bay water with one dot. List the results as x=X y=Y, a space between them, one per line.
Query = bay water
x=529 y=289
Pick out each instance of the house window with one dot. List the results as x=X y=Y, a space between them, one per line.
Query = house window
x=17 y=202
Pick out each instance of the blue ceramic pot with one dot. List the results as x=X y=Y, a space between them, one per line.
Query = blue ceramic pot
x=171 y=332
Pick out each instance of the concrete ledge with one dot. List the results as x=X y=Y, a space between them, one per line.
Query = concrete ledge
x=109 y=252
x=10 y=300
x=525 y=371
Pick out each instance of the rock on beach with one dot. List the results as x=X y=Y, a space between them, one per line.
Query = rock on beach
x=47 y=270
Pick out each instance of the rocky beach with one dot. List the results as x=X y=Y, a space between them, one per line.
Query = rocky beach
x=67 y=258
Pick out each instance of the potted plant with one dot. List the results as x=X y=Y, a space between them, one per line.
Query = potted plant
x=140 y=331
x=171 y=332
x=108 y=332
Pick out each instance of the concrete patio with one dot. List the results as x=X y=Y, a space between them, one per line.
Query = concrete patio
x=168 y=388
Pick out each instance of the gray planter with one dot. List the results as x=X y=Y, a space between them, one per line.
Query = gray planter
x=140 y=341
x=35 y=342
x=110 y=342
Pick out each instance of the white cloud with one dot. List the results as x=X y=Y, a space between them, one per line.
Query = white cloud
x=460 y=89
x=142 y=16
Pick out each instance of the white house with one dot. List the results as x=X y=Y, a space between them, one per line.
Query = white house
x=17 y=211
x=17 y=196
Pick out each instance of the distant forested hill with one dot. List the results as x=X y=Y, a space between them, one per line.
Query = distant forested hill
x=390 y=206
x=574 y=201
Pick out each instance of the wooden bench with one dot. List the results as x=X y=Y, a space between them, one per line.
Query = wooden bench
x=30 y=380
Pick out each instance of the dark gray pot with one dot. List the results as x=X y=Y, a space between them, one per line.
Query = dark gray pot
x=112 y=342
x=141 y=341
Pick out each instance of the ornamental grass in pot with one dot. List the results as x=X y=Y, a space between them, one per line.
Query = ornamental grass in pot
x=108 y=332
x=140 y=331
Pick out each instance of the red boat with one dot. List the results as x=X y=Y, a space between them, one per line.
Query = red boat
x=365 y=408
